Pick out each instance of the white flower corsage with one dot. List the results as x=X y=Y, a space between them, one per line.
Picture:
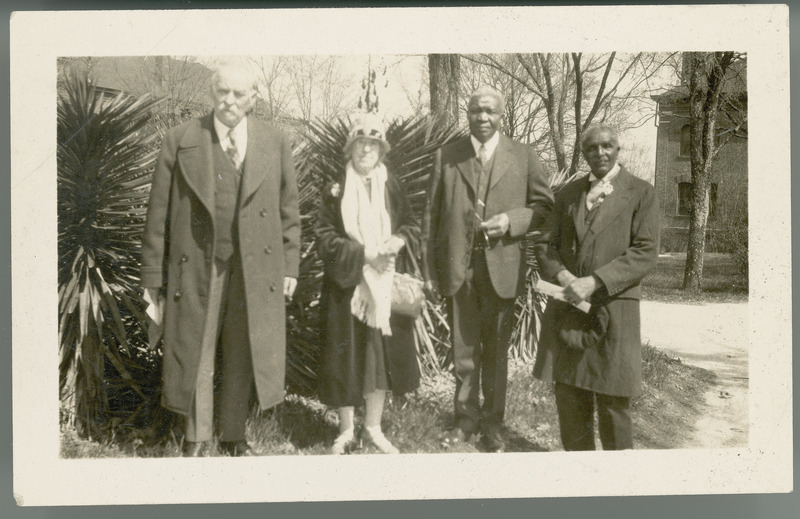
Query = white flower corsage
x=605 y=190
x=336 y=190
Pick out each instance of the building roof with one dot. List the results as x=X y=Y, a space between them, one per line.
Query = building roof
x=159 y=75
x=735 y=84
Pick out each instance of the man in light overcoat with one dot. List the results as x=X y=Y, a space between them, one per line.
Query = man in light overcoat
x=219 y=254
x=485 y=193
x=600 y=241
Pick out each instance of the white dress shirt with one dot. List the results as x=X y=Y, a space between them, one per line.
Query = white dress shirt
x=613 y=172
x=491 y=144
x=241 y=136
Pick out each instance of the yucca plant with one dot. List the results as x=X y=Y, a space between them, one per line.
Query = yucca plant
x=530 y=305
x=320 y=159
x=105 y=158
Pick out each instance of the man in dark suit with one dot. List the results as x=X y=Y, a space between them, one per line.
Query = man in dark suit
x=600 y=241
x=220 y=252
x=486 y=192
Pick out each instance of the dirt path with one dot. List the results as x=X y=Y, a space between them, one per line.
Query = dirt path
x=714 y=337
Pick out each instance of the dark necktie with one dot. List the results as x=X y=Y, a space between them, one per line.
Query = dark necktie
x=482 y=174
x=233 y=150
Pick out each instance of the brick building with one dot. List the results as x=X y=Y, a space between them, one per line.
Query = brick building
x=673 y=178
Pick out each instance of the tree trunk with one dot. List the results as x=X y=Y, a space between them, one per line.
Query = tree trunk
x=444 y=72
x=554 y=119
x=707 y=71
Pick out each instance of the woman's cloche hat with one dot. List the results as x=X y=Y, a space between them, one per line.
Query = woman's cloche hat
x=369 y=126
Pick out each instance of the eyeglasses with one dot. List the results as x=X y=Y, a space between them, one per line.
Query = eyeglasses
x=364 y=143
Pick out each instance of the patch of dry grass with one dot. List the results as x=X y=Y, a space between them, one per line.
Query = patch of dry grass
x=672 y=400
x=663 y=417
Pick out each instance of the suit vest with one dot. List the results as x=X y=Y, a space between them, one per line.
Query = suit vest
x=226 y=202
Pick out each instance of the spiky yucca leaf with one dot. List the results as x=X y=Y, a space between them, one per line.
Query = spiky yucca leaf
x=105 y=154
x=530 y=305
x=320 y=159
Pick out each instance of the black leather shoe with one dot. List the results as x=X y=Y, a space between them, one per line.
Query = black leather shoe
x=493 y=438
x=453 y=437
x=193 y=449
x=236 y=448
x=461 y=433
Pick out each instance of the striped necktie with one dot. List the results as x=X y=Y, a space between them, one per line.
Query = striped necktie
x=233 y=150
x=483 y=155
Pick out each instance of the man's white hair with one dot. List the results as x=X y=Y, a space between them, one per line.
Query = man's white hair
x=600 y=127
x=238 y=63
x=486 y=90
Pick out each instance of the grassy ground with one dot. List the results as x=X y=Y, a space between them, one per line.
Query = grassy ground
x=663 y=416
x=722 y=282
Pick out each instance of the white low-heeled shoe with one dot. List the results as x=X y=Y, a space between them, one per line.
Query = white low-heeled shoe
x=376 y=437
x=342 y=441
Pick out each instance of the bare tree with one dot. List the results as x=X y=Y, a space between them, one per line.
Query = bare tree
x=637 y=159
x=707 y=76
x=416 y=90
x=444 y=74
x=274 y=90
x=318 y=87
x=578 y=89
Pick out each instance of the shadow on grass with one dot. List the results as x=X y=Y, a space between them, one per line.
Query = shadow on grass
x=298 y=424
x=516 y=442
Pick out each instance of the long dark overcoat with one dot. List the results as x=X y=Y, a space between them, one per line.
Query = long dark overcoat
x=341 y=359
x=178 y=250
x=620 y=246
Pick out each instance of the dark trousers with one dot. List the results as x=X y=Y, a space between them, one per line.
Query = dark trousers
x=481 y=324
x=226 y=339
x=576 y=416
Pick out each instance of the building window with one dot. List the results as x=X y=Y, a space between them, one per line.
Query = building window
x=686 y=140
x=685 y=199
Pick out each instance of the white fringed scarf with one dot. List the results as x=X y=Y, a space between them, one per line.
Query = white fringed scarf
x=366 y=221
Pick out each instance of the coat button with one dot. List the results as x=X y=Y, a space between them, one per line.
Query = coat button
x=184 y=258
x=178 y=295
x=263 y=213
x=268 y=249
x=272 y=288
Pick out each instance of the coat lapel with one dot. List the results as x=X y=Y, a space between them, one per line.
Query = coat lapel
x=613 y=204
x=196 y=160
x=465 y=163
x=578 y=209
x=256 y=162
x=503 y=158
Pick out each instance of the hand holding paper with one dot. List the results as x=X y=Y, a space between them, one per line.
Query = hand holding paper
x=557 y=292
x=581 y=289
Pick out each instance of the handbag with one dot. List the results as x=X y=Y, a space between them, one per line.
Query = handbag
x=407 y=292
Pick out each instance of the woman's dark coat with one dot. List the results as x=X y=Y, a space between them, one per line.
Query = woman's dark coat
x=342 y=362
